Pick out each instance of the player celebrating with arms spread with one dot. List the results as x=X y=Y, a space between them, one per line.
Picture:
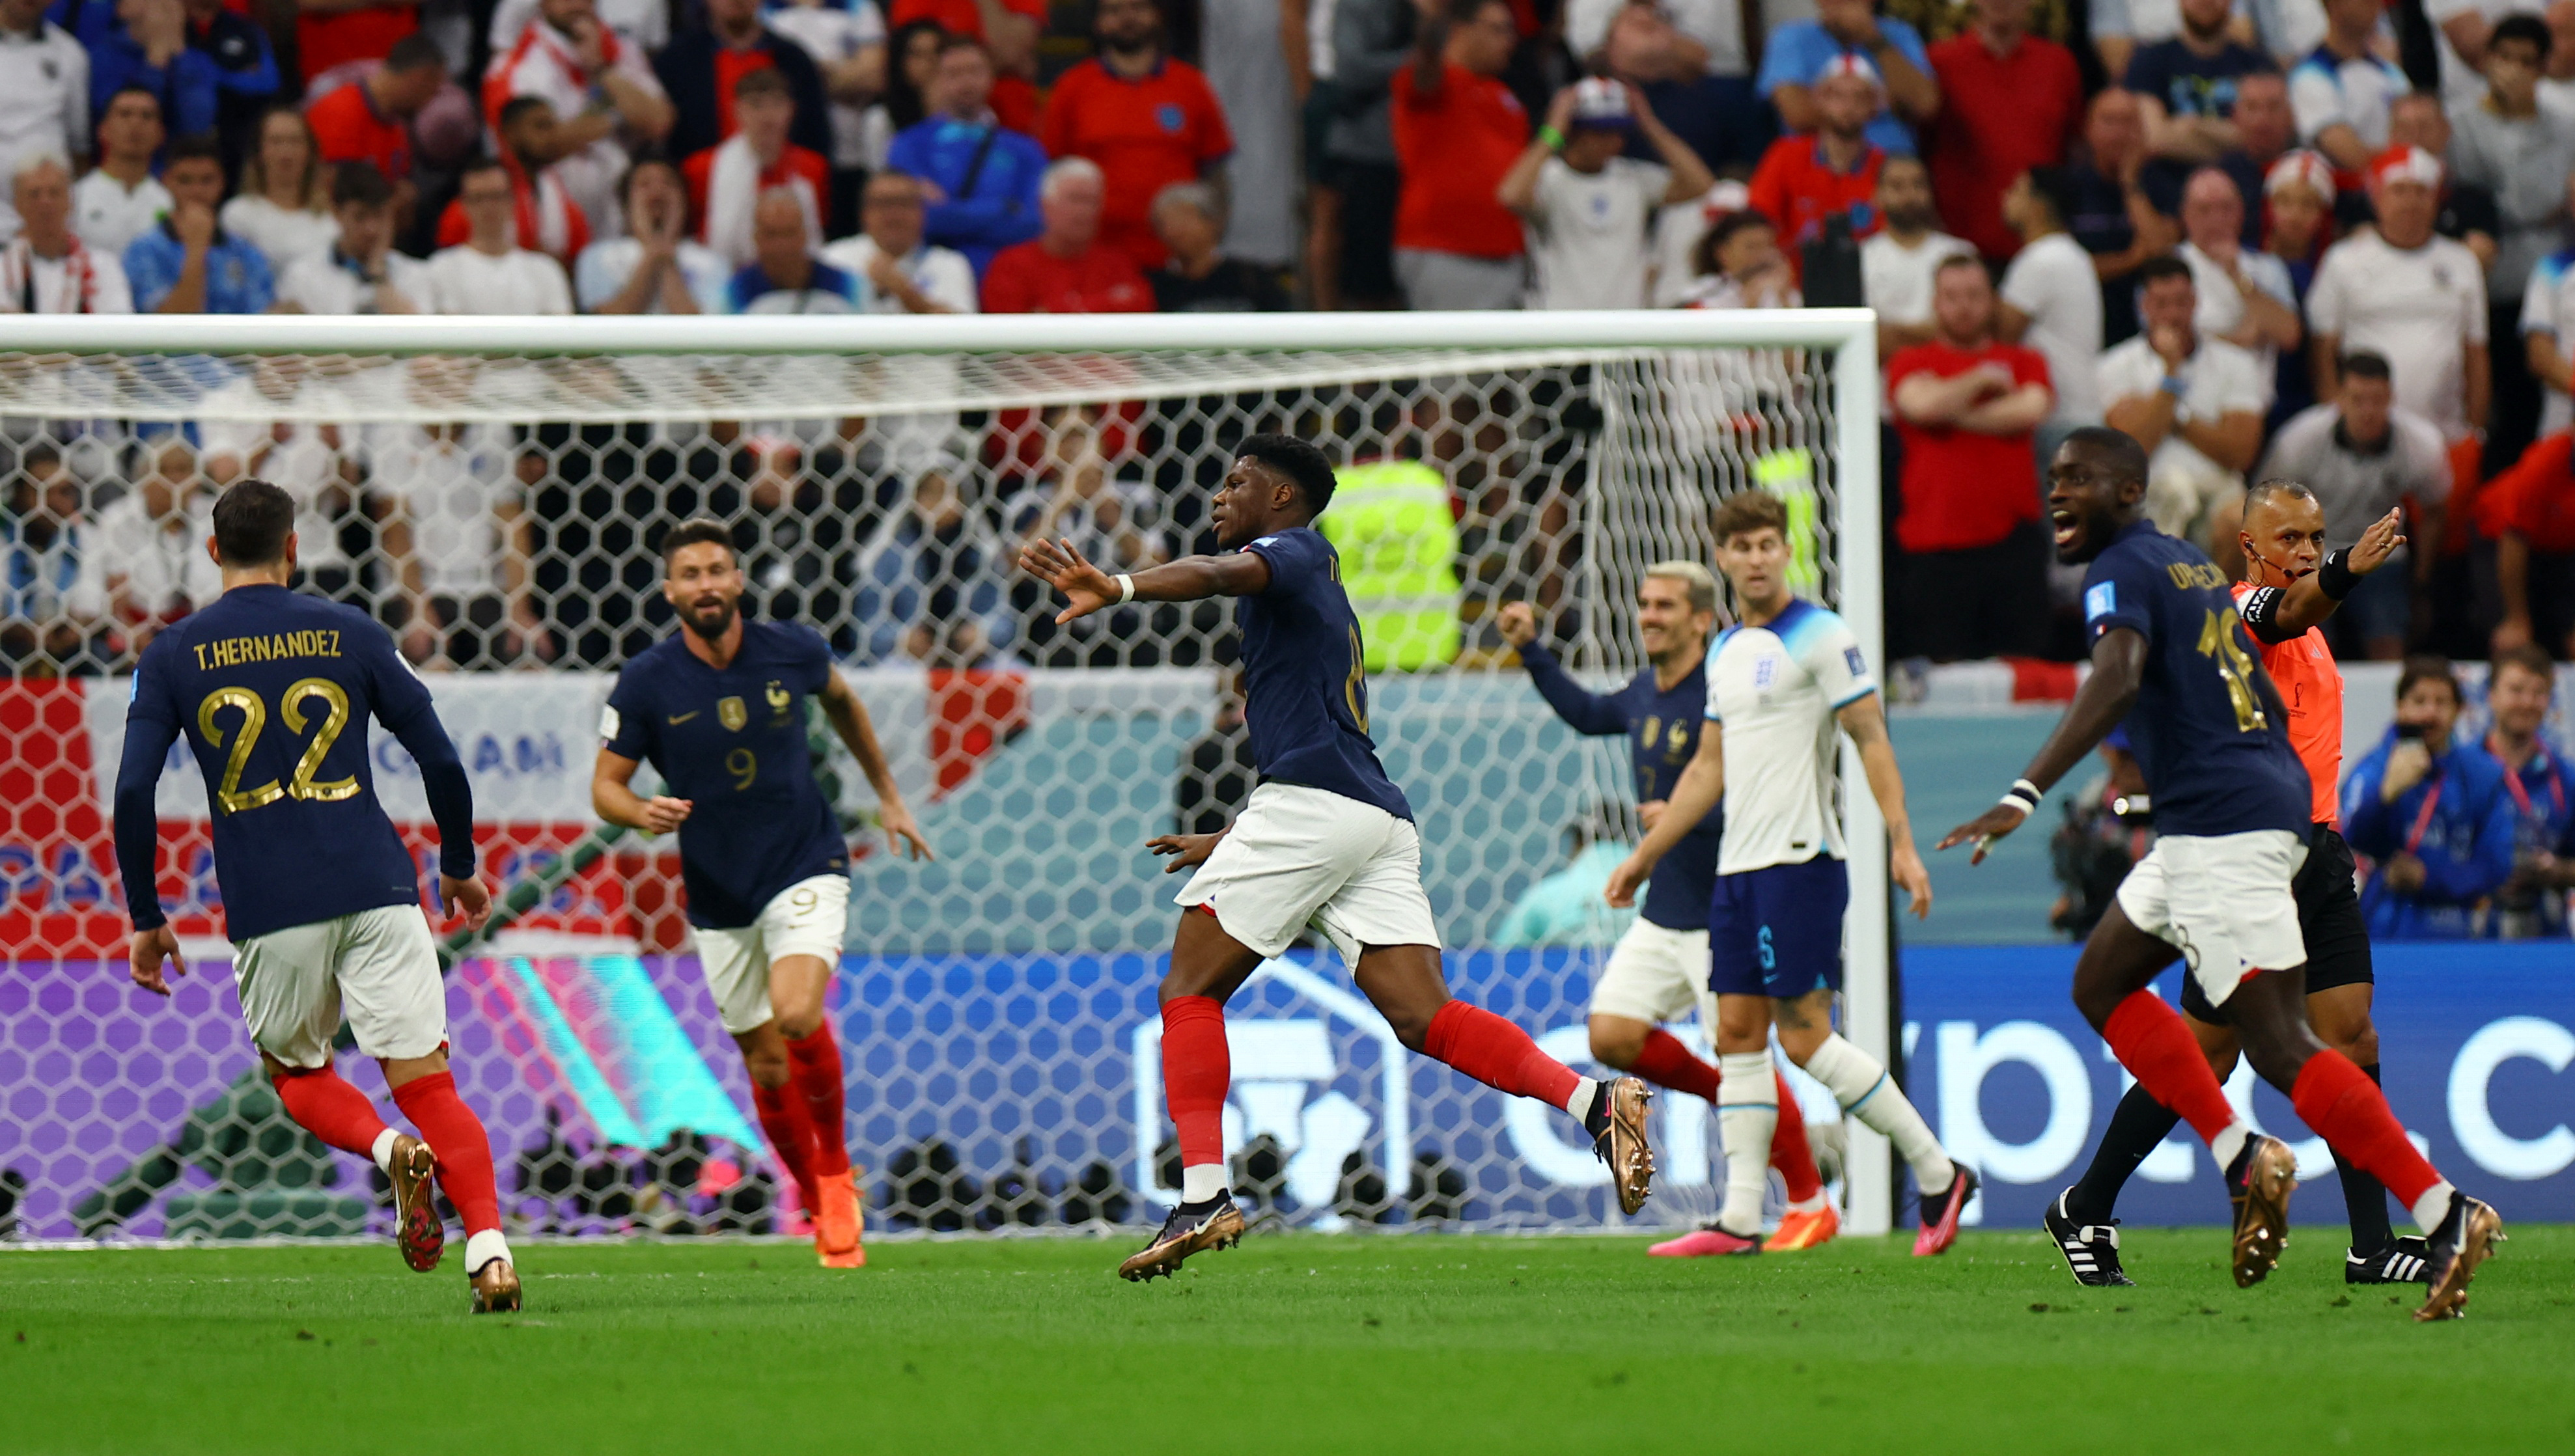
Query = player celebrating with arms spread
x=2171 y=659
x=2293 y=585
x=321 y=899
x=1658 y=969
x=719 y=709
x=1780 y=682
x=1327 y=839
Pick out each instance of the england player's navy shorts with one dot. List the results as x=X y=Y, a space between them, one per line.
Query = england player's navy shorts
x=1777 y=930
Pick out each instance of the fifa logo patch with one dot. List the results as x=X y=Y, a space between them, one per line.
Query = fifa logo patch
x=1852 y=660
x=731 y=715
x=2100 y=601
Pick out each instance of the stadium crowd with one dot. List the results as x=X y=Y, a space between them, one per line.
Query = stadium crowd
x=2322 y=237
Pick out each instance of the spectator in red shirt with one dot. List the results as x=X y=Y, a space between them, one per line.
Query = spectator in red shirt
x=1458 y=130
x=1831 y=170
x=2529 y=511
x=726 y=182
x=1066 y=269
x=1148 y=120
x=1971 y=576
x=1009 y=31
x=2009 y=101
x=369 y=120
x=332 y=33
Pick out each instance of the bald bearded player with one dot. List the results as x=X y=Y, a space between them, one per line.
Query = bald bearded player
x=2292 y=584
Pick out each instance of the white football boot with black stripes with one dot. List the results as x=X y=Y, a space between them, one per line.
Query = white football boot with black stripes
x=2091 y=1250
x=2406 y=1261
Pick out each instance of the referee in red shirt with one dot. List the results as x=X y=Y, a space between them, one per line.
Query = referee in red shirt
x=1148 y=120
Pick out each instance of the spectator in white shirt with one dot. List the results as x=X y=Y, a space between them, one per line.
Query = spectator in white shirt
x=2194 y=401
x=488 y=273
x=359 y=274
x=658 y=268
x=2548 y=329
x=2341 y=91
x=1588 y=208
x=2465 y=27
x=260 y=426
x=44 y=90
x=644 y=24
x=466 y=579
x=2051 y=300
x=908 y=275
x=47 y=269
x=120 y=198
x=146 y=565
x=284 y=206
x=846 y=39
x=599 y=84
x=2414 y=298
x=1896 y=265
x=2245 y=297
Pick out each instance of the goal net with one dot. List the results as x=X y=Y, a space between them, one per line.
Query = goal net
x=494 y=491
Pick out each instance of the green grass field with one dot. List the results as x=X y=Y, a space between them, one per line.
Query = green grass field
x=1291 y=1343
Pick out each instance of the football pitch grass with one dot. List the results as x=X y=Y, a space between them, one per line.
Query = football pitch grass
x=1294 y=1343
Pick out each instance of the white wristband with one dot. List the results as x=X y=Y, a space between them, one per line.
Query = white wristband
x=1125 y=588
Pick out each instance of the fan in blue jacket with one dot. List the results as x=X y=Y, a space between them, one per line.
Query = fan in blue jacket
x=2432 y=811
x=986 y=174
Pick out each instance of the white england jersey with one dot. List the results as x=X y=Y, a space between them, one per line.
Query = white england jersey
x=1773 y=691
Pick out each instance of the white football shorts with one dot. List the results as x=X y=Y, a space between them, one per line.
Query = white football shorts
x=380 y=965
x=1656 y=974
x=1299 y=857
x=809 y=918
x=2223 y=902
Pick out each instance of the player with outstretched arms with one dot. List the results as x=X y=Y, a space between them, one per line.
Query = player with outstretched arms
x=1658 y=969
x=2234 y=808
x=1783 y=684
x=321 y=899
x=1326 y=841
x=2292 y=584
x=717 y=707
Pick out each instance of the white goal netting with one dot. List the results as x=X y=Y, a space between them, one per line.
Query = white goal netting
x=497 y=500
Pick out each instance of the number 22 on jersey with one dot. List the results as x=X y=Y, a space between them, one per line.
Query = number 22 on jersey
x=230 y=797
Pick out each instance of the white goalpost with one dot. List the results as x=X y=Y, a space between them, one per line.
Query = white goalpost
x=491 y=487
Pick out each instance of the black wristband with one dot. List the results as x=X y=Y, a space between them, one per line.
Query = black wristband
x=2335 y=577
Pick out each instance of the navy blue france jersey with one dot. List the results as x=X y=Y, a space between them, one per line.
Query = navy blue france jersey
x=1304 y=693
x=1662 y=734
x=732 y=743
x=273 y=691
x=2209 y=727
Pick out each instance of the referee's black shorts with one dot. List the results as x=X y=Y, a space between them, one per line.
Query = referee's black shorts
x=2329 y=921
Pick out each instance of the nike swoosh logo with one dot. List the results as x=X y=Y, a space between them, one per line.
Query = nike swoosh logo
x=684 y=717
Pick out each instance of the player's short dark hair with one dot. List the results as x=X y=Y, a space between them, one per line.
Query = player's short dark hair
x=252 y=521
x=518 y=107
x=763 y=82
x=2365 y=364
x=1749 y=510
x=2056 y=187
x=2126 y=458
x=698 y=531
x=360 y=184
x=203 y=147
x=2274 y=489
x=1298 y=461
x=2521 y=27
x=2530 y=658
x=412 y=52
x=2429 y=668
x=2162 y=267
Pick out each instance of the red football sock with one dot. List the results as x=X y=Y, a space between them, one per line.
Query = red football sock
x=464 y=1149
x=1789 y=1152
x=1497 y=1053
x=789 y=1121
x=813 y=1064
x=2347 y=1110
x=2158 y=1050
x=1666 y=1063
x=323 y=1103
x=1198 y=1068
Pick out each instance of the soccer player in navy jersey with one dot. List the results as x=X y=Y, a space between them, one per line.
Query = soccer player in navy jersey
x=2172 y=659
x=1658 y=971
x=1327 y=839
x=320 y=901
x=718 y=708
